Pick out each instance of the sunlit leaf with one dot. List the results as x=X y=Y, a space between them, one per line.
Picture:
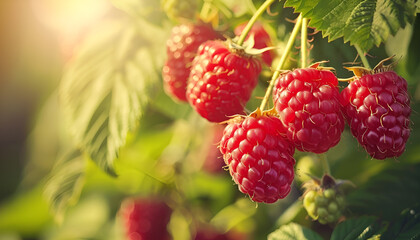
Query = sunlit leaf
x=358 y=228
x=65 y=183
x=105 y=89
x=86 y=220
x=362 y=22
x=25 y=213
x=234 y=214
x=293 y=231
x=141 y=9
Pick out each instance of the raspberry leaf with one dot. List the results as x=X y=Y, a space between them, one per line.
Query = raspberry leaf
x=357 y=228
x=65 y=183
x=234 y=214
x=362 y=22
x=407 y=226
x=293 y=231
x=374 y=196
x=141 y=9
x=105 y=89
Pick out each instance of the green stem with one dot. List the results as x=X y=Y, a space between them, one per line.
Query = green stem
x=205 y=10
x=254 y=18
x=283 y=59
x=303 y=43
x=324 y=163
x=362 y=56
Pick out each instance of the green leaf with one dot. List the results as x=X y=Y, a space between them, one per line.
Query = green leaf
x=65 y=183
x=86 y=220
x=407 y=226
x=105 y=89
x=293 y=231
x=25 y=213
x=357 y=228
x=362 y=22
x=141 y=9
x=235 y=214
x=398 y=184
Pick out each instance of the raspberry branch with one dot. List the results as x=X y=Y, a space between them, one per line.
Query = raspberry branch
x=324 y=163
x=362 y=57
x=303 y=43
x=254 y=18
x=286 y=52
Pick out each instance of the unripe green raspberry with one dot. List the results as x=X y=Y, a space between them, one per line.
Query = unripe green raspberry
x=309 y=198
x=178 y=9
x=322 y=212
x=329 y=193
x=340 y=200
x=332 y=207
x=323 y=200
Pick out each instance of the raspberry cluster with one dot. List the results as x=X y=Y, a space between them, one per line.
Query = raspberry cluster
x=218 y=77
x=181 y=48
x=145 y=219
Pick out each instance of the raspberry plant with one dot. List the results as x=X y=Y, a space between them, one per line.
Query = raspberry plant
x=130 y=134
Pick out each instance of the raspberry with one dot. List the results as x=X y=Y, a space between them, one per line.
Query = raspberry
x=181 y=49
x=221 y=81
x=323 y=203
x=145 y=219
x=377 y=108
x=259 y=157
x=261 y=40
x=308 y=102
x=176 y=9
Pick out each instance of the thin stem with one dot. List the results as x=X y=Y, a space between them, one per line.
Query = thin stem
x=324 y=163
x=362 y=56
x=283 y=59
x=205 y=10
x=254 y=18
x=303 y=43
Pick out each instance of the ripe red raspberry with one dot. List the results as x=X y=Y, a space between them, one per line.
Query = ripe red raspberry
x=261 y=40
x=145 y=219
x=181 y=48
x=377 y=108
x=259 y=157
x=308 y=102
x=221 y=81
